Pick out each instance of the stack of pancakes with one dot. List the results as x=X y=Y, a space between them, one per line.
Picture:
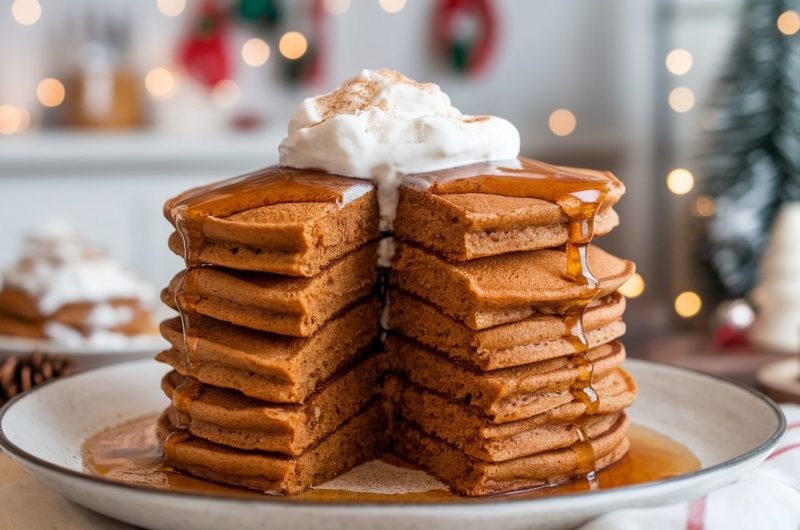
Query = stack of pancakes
x=484 y=356
x=274 y=384
x=279 y=383
x=66 y=291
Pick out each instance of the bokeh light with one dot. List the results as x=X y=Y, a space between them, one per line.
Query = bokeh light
x=26 y=12
x=255 y=52
x=13 y=119
x=25 y=118
x=392 y=6
x=688 y=304
x=679 y=61
x=171 y=8
x=704 y=206
x=50 y=92
x=681 y=99
x=160 y=82
x=293 y=45
x=680 y=181
x=633 y=287
x=225 y=93
x=789 y=22
x=562 y=122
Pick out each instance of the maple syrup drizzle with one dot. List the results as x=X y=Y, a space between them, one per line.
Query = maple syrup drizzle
x=580 y=196
x=130 y=453
x=586 y=458
x=274 y=185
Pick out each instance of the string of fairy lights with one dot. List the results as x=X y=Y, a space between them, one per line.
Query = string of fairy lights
x=161 y=83
x=680 y=181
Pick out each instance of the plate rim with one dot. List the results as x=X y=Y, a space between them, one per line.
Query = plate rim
x=13 y=345
x=460 y=503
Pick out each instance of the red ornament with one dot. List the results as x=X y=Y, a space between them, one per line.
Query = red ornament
x=204 y=52
x=729 y=337
x=465 y=31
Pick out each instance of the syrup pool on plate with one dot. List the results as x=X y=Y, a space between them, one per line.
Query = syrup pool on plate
x=130 y=453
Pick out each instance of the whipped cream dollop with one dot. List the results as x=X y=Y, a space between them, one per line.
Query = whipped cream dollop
x=381 y=125
x=59 y=269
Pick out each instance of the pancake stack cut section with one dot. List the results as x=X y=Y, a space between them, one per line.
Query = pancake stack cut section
x=505 y=369
x=488 y=353
x=274 y=381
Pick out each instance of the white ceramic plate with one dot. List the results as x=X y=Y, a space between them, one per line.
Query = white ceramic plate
x=731 y=429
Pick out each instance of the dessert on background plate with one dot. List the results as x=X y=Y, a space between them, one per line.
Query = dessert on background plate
x=64 y=295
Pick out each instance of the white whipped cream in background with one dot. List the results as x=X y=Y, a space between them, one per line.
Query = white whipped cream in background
x=381 y=125
x=106 y=316
x=62 y=269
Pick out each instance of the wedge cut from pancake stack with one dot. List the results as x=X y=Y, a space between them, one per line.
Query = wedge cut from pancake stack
x=500 y=369
x=274 y=381
x=505 y=371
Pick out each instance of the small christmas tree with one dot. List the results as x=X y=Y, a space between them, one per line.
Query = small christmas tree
x=778 y=291
x=753 y=161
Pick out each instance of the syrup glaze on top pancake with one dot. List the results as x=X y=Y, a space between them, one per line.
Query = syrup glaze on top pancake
x=580 y=195
x=466 y=226
x=270 y=186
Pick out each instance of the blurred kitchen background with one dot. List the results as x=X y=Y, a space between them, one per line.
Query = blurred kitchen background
x=108 y=107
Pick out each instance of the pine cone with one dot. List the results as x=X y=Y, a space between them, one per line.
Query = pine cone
x=22 y=372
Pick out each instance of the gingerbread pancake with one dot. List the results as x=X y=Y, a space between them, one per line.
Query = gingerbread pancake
x=298 y=231
x=265 y=365
x=473 y=432
x=279 y=304
x=472 y=476
x=532 y=339
x=230 y=418
x=503 y=395
x=497 y=290
x=465 y=226
x=358 y=440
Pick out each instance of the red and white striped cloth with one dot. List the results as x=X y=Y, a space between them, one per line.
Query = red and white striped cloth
x=767 y=498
